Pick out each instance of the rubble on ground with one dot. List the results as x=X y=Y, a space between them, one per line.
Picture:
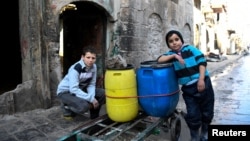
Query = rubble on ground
x=214 y=57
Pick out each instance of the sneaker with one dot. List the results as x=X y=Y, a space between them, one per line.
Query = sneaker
x=67 y=113
x=203 y=139
x=183 y=114
x=68 y=118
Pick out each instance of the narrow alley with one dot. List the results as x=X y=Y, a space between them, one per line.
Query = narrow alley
x=231 y=86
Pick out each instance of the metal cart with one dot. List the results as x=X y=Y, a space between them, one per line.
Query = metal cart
x=104 y=129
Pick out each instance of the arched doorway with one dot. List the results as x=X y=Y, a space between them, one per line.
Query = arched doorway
x=197 y=36
x=83 y=24
x=187 y=34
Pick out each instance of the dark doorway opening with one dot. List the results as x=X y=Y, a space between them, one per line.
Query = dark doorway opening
x=10 y=55
x=85 y=25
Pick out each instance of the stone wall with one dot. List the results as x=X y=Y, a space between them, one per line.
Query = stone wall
x=135 y=28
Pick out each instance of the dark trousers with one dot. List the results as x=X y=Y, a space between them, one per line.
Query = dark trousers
x=200 y=105
x=79 y=105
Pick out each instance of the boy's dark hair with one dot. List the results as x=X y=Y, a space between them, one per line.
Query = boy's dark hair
x=88 y=49
x=170 y=33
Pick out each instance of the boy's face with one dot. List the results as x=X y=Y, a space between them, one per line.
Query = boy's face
x=89 y=59
x=174 y=42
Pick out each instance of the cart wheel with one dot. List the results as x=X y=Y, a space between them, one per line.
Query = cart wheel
x=175 y=128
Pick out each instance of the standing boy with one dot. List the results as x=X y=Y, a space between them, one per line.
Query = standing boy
x=190 y=67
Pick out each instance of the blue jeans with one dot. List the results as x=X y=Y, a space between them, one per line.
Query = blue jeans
x=200 y=106
x=79 y=105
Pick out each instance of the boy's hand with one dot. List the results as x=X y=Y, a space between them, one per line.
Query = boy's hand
x=95 y=104
x=179 y=58
x=201 y=85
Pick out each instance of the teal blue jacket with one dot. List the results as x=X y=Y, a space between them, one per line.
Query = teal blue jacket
x=193 y=58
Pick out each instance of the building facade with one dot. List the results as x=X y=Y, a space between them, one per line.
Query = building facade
x=52 y=34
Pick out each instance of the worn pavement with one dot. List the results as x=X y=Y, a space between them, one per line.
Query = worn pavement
x=48 y=124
